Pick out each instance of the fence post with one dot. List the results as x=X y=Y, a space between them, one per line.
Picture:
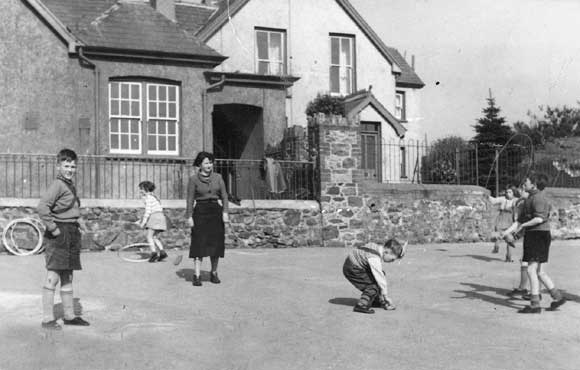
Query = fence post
x=497 y=173
x=476 y=164
x=457 y=174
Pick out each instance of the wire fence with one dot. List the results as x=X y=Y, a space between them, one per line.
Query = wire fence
x=100 y=177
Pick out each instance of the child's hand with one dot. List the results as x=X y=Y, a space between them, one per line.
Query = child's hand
x=56 y=232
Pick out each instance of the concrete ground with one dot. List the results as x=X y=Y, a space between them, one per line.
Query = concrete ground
x=292 y=309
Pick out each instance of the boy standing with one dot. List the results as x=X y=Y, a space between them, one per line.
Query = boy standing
x=534 y=219
x=363 y=268
x=59 y=209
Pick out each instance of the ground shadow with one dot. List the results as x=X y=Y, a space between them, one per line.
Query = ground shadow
x=58 y=310
x=344 y=301
x=489 y=294
x=479 y=257
x=187 y=274
x=571 y=297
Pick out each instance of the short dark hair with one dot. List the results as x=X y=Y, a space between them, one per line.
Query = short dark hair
x=395 y=247
x=68 y=155
x=515 y=191
x=539 y=179
x=201 y=156
x=148 y=186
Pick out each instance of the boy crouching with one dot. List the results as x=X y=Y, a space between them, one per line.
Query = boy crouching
x=363 y=268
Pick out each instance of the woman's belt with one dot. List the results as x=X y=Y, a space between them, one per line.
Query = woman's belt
x=207 y=201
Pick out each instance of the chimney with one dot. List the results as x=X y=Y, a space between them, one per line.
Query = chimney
x=413 y=62
x=165 y=7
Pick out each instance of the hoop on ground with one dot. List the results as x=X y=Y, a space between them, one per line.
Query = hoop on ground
x=23 y=236
x=136 y=252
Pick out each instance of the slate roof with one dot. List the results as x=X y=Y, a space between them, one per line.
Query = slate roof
x=356 y=102
x=408 y=77
x=126 y=26
x=193 y=17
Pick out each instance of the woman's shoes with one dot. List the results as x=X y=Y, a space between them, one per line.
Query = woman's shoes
x=153 y=257
x=196 y=280
x=214 y=278
x=162 y=256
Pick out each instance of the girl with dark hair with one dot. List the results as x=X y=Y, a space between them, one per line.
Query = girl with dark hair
x=206 y=216
x=153 y=220
x=505 y=218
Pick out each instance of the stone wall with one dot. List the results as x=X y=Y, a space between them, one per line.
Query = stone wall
x=259 y=224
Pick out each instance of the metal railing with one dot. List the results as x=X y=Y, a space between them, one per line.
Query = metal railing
x=101 y=177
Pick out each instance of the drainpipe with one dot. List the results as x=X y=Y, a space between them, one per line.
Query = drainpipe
x=97 y=84
x=96 y=73
x=204 y=107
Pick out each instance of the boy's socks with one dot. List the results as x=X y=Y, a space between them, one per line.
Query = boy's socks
x=47 y=304
x=535 y=300
x=66 y=297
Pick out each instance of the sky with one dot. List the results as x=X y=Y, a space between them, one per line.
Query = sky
x=526 y=51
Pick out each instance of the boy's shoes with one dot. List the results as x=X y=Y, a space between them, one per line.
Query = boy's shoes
x=196 y=281
x=214 y=278
x=77 y=321
x=555 y=304
x=517 y=292
x=51 y=325
x=530 y=309
x=162 y=256
x=495 y=249
x=363 y=308
x=153 y=257
x=509 y=259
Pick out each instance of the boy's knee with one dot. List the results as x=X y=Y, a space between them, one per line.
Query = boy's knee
x=52 y=280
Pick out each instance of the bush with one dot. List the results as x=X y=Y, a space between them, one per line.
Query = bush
x=327 y=104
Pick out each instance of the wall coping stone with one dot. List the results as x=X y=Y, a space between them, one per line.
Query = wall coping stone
x=168 y=203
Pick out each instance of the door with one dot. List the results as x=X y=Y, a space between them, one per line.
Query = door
x=371 y=150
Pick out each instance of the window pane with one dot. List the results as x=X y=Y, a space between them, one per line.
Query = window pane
x=171 y=143
x=171 y=128
x=262 y=43
x=162 y=144
x=172 y=110
x=152 y=109
x=125 y=108
x=115 y=107
x=263 y=68
x=152 y=92
x=135 y=108
x=114 y=141
x=348 y=81
x=162 y=128
x=114 y=125
x=345 y=46
x=275 y=46
x=135 y=142
x=334 y=80
x=114 y=90
x=162 y=110
x=162 y=93
x=135 y=92
x=172 y=93
x=124 y=142
x=334 y=51
x=124 y=125
x=152 y=142
x=152 y=127
x=134 y=126
x=124 y=91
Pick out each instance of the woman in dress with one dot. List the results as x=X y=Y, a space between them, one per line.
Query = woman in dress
x=505 y=219
x=207 y=217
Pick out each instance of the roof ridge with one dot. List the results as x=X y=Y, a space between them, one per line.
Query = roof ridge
x=95 y=23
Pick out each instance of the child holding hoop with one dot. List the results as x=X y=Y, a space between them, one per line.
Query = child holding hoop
x=153 y=220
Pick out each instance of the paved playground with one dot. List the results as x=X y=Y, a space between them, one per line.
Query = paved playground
x=292 y=309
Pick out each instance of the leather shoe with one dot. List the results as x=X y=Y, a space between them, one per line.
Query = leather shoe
x=51 y=325
x=196 y=281
x=162 y=256
x=153 y=257
x=77 y=321
x=555 y=304
x=363 y=309
x=530 y=309
x=214 y=278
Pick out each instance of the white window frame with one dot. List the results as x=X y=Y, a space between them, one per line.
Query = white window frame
x=346 y=70
x=159 y=119
x=271 y=60
x=120 y=117
x=400 y=106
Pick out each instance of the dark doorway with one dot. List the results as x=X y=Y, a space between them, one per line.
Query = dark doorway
x=371 y=150
x=238 y=136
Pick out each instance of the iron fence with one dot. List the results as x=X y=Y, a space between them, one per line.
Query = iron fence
x=101 y=177
x=470 y=164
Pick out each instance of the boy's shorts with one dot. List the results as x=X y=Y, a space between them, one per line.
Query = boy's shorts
x=63 y=252
x=537 y=246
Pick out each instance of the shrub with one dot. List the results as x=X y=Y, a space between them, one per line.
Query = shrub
x=327 y=104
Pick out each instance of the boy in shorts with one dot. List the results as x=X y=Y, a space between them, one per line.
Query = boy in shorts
x=534 y=219
x=363 y=268
x=59 y=209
